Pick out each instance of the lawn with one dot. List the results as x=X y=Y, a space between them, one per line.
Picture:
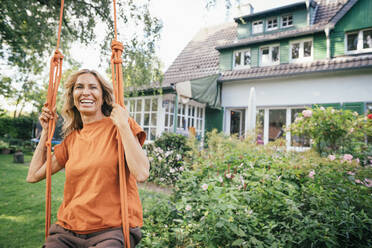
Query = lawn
x=22 y=204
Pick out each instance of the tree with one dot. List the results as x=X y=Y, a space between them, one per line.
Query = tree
x=28 y=28
x=28 y=38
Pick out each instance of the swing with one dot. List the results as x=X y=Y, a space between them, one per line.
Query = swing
x=55 y=74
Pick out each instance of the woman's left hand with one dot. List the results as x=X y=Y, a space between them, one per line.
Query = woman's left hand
x=119 y=115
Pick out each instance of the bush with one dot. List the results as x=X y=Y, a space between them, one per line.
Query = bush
x=241 y=195
x=16 y=128
x=167 y=155
x=335 y=132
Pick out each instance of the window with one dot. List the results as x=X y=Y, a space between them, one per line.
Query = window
x=190 y=115
x=301 y=51
x=360 y=41
x=298 y=141
x=287 y=21
x=272 y=24
x=169 y=115
x=237 y=122
x=145 y=113
x=367 y=39
x=242 y=59
x=269 y=55
x=257 y=27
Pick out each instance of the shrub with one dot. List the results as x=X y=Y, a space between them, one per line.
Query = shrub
x=335 y=132
x=241 y=195
x=16 y=128
x=167 y=155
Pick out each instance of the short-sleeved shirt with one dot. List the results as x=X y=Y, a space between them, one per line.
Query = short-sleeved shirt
x=91 y=200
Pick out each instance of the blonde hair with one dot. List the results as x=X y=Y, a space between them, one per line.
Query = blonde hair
x=71 y=116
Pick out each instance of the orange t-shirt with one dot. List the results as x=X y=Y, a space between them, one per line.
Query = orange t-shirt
x=91 y=200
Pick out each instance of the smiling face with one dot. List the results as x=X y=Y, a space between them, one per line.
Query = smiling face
x=87 y=94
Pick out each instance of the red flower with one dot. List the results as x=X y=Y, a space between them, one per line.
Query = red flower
x=369 y=116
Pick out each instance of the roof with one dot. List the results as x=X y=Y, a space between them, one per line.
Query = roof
x=270 y=11
x=341 y=63
x=326 y=9
x=200 y=57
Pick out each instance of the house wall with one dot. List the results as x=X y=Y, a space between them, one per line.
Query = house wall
x=213 y=119
x=226 y=60
x=351 y=86
x=320 y=46
x=299 y=20
x=358 y=17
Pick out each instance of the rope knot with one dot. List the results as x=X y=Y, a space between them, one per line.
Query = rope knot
x=116 y=45
x=57 y=57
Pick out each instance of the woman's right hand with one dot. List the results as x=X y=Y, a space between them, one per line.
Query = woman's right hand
x=45 y=116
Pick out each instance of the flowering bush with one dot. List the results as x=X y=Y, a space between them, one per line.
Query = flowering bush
x=167 y=155
x=335 y=132
x=242 y=195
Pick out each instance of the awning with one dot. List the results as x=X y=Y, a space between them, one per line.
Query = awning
x=203 y=90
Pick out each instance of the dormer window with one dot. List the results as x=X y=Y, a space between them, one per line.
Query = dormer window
x=272 y=24
x=301 y=51
x=257 y=27
x=269 y=55
x=242 y=59
x=359 y=41
x=287 y=21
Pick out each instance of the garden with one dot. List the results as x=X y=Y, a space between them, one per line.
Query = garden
x=233 y=192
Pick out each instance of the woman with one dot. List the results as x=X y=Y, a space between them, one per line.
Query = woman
x=90 y=212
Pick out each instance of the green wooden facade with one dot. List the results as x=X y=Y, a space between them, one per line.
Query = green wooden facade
x=359 y=17
x=213 y=119
x=244 y=30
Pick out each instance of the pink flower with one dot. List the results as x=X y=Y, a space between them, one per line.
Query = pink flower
x=357 y=181
x=322 y=108
x=220 y=179
x=348 y=157
x=357 y=160
x=311 y=174
x=228 y=175
x=188 y=207
x=331 y=157
x=351 y=173
x=204 y=186
x=181 y=168
x=307 y=113
x=368 y=182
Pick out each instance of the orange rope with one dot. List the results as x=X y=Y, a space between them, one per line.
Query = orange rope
x=117 y=81
x=55 y=74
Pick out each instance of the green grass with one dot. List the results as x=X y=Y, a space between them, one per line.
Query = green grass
x=22 y=205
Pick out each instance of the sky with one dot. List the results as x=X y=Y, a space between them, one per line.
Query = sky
x=181 y=19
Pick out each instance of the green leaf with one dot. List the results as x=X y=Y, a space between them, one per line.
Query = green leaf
x=237 y=242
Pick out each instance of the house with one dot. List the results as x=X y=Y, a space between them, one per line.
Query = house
x=313 y=52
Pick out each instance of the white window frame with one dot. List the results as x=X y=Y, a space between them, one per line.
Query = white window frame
x=134 y=100
x=272 y=28
x=270 y=55
x=360 y=48
x=287 y=124
x=282 y=21
x=256 y=24
x=198 y=118
x=242 y=66
x=301 y=57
